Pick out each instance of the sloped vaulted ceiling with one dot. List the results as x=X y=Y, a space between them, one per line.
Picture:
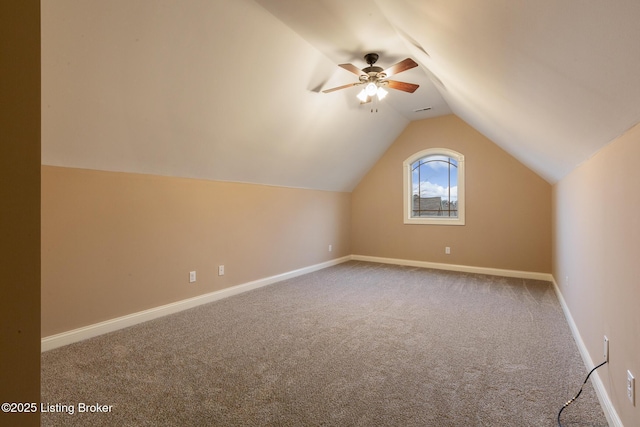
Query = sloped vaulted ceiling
x=550 y=81
x=230 y=89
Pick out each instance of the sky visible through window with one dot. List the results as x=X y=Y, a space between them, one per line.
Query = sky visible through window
x=435 y=176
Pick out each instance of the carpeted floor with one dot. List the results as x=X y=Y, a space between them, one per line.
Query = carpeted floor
x=357 y=344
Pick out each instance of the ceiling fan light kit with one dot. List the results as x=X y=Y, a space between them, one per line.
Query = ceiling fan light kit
x=371 y=89
x=374 y=77
x=365 y=94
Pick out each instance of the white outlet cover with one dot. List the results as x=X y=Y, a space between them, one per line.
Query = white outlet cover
x=605 y=350
x=192 y=276
x=631 y=388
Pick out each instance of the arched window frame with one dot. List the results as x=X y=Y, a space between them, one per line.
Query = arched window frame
x=408 y=187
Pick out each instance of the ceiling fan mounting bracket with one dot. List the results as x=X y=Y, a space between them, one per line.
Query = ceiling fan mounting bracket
x=371 y=58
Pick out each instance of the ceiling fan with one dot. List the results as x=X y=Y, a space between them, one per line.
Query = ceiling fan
x=374 y=78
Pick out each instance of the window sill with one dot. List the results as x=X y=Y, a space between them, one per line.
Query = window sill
x=434 y=221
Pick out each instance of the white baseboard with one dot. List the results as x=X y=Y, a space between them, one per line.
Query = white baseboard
x=455 y=267
x=609 y=411
x=90 y=331
x=64 y=338
x=59 y=340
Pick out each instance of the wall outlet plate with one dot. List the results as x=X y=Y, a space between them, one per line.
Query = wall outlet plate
x=221 y=270
x=192 y=276
x=605 y=350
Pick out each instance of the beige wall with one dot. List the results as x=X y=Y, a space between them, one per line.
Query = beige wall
x=20 y=207
x=597 y=248
x=118 y=243
x=508 y=207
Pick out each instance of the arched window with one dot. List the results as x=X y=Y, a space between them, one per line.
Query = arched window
x=434 y=187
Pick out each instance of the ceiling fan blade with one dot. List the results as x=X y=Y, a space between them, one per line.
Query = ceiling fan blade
x=406 y=87
x=340 y=87
x=355 y=70
x=401 y=66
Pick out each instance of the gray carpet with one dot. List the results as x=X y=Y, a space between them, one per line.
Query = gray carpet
x=357 y=344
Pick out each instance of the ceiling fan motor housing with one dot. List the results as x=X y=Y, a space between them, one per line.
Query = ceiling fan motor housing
x=371 y=70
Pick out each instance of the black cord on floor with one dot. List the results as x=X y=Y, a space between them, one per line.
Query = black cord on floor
x=577 y=395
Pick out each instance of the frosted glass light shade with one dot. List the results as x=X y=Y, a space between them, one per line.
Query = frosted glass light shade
x=371 y=89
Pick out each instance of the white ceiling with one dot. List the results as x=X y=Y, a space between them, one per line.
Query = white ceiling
x=231 y=89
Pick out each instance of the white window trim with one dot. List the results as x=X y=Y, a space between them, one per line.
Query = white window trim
x=407 y=194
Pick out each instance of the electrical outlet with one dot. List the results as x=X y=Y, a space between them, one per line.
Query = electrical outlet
x=192 y=276
x=566 y=280
x=447 y=250
x=631 y=388
x=221 y=270
x=330 y=248
x=606 y=349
